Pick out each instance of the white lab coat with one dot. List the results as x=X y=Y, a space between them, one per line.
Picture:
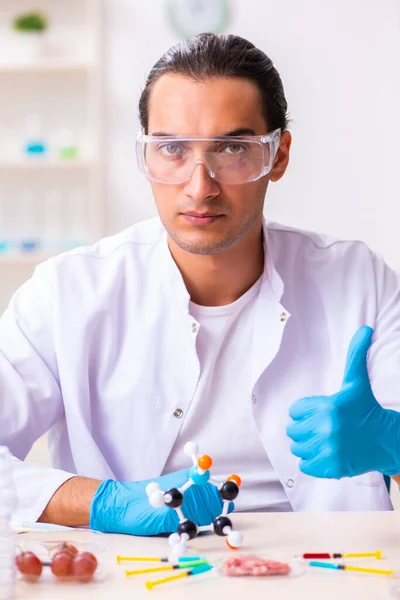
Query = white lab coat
x=98 y=348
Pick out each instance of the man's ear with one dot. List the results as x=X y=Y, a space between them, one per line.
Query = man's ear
x=282 y=157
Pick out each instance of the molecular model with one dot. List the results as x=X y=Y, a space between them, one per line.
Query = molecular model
x=199 y=474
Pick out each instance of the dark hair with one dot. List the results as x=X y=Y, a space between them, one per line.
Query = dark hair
x=206 y=56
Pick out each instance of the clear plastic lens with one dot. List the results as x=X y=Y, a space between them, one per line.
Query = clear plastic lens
x=234 y=160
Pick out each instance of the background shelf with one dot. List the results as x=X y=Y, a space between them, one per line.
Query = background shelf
x=25 y=258
x=42 y=164
x=47 y=66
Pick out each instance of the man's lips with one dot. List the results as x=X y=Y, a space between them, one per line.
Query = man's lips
x=201 y=218
x=201 y=215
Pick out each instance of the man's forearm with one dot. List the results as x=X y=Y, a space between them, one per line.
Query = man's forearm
x=70 y=504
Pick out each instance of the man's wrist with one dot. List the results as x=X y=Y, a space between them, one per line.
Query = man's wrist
x=70 y=504
x=98 y=516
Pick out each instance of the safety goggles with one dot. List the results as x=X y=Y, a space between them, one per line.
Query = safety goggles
x=228 y=159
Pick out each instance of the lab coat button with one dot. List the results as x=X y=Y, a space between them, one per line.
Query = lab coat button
x=178 y=413
x=290 y=483
x=194 y=327
x=254 y=398
x=283 y=317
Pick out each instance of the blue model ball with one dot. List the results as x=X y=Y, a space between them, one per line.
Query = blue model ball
x=197 y=478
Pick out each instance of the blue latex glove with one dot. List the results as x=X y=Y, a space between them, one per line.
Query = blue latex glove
x=123 y=507
x=348 y=433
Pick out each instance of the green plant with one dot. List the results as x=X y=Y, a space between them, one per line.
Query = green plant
x=31 y=22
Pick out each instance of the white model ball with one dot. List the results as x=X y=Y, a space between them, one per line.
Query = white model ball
x=156 y=499
x=191 y=448
x=173 y=539
x=152 y=487
x=179 y=549
x=235 y=539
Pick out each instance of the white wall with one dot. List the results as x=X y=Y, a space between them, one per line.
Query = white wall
x=340 y=65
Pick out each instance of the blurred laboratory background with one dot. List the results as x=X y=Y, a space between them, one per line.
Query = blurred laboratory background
x=71 y=72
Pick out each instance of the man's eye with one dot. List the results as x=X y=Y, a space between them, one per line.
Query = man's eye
x=171 y=150
x=234 y=149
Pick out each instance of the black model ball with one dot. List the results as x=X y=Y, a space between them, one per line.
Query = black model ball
x=173 y=498
x=220 y=523
x=189 y=528
x=229 y=490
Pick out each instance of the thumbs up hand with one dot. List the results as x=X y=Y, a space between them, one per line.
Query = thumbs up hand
x=348 y=433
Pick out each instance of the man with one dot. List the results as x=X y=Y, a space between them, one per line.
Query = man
x=207 y=324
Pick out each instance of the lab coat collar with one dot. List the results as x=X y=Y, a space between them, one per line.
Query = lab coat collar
x=173 y=276
x=270 y=273
x=270 y=314
x=170 y=270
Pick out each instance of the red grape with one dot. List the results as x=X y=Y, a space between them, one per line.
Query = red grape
x=61 y=564
x=83 y=566
x=68 y=548
x=29 y=565
x=72 y=549
x=90 y=556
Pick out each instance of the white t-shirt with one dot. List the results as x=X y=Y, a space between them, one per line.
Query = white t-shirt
x=222 y=406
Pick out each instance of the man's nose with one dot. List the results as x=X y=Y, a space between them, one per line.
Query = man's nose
x=201 y=185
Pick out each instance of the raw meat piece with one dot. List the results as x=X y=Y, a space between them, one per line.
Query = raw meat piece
x=241 y=565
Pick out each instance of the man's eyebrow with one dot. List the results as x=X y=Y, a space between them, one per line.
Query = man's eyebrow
x=233 y=132
x=238 y=131
x=162 y=134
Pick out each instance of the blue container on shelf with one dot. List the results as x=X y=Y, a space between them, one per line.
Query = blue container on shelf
x=35 y=147
x=35 y=144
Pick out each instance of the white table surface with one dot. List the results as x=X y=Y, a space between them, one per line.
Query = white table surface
x=286 y=534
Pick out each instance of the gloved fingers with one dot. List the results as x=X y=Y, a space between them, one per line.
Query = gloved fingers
x=356 y=361
x=151 y=521
x=169 y=522
x=318 y=467
x=304 y=407
x=202 y=504
x=306 y=450
x=300 y=431
x=215 y=502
